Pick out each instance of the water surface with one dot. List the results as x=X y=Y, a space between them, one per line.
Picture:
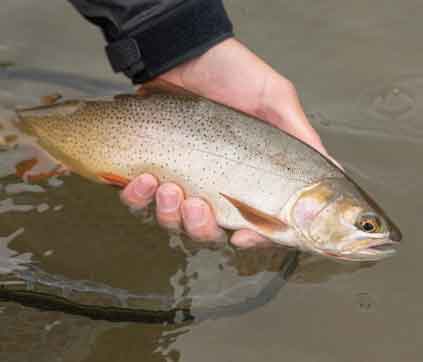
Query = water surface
x=357 y=67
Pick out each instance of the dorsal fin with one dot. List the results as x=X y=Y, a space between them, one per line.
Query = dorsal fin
x=50 y=99
x=260 y=219
x=63 y=108
x=162 y=86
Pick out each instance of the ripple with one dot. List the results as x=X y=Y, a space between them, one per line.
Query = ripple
x=395 y=100
x=391 y=109
x=394 y=106
x=17 y=188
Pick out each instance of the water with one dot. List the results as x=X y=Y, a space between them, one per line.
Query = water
x=357 y=67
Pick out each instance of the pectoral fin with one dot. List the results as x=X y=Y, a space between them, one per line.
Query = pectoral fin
x=265 y=222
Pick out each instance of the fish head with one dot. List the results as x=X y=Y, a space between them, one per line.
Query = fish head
x=337 y=219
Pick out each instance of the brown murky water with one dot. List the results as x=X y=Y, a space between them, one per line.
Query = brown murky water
x=358 y=68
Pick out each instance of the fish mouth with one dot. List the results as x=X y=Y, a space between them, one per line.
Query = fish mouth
x=381 y=250
x=377 y=252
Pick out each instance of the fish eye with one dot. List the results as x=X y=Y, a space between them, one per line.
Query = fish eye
x=369 y=223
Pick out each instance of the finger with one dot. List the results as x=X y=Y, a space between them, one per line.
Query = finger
x=199 y=221
x=169 y=198
x=245 y=238
x=140 y=191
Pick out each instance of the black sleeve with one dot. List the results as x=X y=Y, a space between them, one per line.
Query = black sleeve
x=148 y=37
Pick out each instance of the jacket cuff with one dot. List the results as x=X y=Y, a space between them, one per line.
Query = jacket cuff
x=179 y=35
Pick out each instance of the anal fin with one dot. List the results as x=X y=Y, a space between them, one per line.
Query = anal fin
x=23 y=170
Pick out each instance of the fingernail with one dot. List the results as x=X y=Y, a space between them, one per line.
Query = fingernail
x=168 y=201
x=144 y=190
x=194 y=213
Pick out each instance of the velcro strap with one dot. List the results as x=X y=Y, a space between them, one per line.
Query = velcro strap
x=123 y=54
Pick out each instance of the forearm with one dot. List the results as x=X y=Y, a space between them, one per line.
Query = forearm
x=148 y=37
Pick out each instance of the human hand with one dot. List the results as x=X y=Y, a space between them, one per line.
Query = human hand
x=230 y=74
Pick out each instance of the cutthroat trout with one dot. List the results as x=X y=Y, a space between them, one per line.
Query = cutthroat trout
x=253 y=175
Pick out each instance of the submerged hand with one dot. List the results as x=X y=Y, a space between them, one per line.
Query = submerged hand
x=174 y=211
x=230 y=74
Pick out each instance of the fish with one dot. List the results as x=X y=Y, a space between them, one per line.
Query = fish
x=252 y=174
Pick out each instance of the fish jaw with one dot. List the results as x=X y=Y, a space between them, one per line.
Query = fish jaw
x=361 y=247
x=373 y=253
x=383 y=249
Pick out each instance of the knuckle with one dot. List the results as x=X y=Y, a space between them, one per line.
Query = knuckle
x=288 y=87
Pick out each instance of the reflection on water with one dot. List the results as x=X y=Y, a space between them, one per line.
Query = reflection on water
x=313 y=269
x=9 y=259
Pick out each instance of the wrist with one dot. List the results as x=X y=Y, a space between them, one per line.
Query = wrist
x=170 y=39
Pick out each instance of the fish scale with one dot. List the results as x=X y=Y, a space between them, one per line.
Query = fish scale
x=131 y=135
